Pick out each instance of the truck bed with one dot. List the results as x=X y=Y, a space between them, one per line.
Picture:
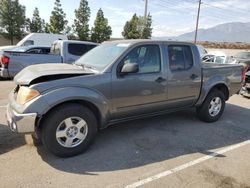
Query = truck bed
x=20 y=60
x=230 y=74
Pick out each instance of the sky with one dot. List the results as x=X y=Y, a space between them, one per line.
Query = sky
x=170 y=17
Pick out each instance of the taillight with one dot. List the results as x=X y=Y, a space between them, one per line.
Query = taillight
x=243 y=74
x=5 y=60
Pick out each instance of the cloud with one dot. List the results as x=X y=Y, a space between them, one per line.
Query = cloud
x=120 y=12
x=228 y=4
x=164 y=30
x=161 y=13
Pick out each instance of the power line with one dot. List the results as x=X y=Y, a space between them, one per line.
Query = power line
x=211 y=12
x=205 y=10
x=182 y=8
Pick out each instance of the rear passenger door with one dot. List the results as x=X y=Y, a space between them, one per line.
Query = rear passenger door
x=184 y=75
x=75 y=51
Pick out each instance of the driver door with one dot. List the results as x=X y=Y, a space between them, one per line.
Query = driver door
x=143 y=92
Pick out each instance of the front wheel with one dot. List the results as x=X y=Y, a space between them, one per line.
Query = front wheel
x=69 y=130
x=213 y=106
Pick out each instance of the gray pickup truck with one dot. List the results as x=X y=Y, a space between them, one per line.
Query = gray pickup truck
x=62 y=51
x=65 y=105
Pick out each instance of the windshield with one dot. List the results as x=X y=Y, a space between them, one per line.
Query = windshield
x=25 y=43
x=101 y=56
x=243 y=55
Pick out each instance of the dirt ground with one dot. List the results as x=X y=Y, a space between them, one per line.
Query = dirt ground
x=229 y=52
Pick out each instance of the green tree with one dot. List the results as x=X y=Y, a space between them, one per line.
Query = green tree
x=147 y=29
x=81 y=26
x=130 y=30
x=138 y=28
x=46 y=27
x=58 y=22
x=36 y=24
x=101 y=30
x=27 y=25
x=12 y=19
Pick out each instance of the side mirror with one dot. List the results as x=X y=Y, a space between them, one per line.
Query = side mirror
x=130 y=68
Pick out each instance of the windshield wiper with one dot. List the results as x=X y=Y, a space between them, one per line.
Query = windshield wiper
x=89 y=67
x=84 y=66
x=79 y=65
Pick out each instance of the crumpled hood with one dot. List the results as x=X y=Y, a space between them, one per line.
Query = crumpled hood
x=48 y=72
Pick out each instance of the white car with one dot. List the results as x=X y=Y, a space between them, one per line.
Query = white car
x=218 y=57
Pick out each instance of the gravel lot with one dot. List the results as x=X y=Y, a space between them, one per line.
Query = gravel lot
x=132 y=151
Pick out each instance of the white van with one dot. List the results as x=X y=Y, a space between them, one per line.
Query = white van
x=38 y=39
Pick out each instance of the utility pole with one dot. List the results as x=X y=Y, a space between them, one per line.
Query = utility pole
x=146 y=11
x=197 y=22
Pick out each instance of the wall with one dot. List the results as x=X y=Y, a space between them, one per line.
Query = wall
x=6 y=42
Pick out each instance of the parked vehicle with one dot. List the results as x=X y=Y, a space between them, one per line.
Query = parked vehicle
x=64 y=105
x=202 y=50
x=245 y=55
x=245 y=90
x=33 y=49
x=62 y=51
x=39 y=39
x=218 y=57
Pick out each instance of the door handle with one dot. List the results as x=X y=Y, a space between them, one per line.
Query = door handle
x=160 y=80
x=194 y=76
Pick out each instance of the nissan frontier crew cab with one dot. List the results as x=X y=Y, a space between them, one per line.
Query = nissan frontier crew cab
x=65 y=105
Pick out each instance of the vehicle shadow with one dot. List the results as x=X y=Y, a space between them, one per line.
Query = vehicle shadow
x=137 y=143
x=9 y=141
x=5 y=79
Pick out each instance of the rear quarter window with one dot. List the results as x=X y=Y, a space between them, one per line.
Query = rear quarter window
x=79 y=49
x=55 y=49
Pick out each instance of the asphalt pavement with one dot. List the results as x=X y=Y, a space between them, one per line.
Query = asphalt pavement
x=174 y=150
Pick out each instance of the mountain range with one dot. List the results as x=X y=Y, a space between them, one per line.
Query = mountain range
x=228 y=32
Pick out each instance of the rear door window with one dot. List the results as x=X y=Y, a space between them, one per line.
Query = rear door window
x=180 y=57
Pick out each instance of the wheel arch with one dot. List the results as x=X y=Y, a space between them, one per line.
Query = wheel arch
x=85 y=103
x=221 y=86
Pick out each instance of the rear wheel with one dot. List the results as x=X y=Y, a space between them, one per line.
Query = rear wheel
x=213 y=106
x=69 y=130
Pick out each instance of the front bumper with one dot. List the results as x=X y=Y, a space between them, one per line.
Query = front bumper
x=20 y=123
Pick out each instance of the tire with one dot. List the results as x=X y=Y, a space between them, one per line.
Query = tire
x=69 y=130
x=37 y=141
x=210 y=111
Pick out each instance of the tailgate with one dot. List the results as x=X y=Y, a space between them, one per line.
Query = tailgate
x=19 y=60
